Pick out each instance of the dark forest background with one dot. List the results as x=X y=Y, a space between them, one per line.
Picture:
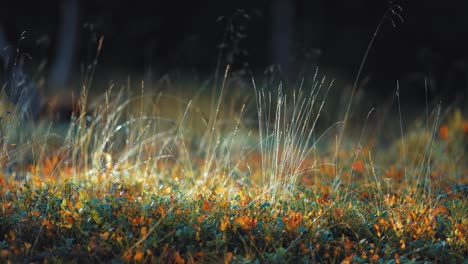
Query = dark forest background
x=422 y=45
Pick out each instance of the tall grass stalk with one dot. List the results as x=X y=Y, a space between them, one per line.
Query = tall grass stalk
x=391 y=14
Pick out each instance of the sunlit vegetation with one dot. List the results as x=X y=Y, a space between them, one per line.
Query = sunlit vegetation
x=151 y=177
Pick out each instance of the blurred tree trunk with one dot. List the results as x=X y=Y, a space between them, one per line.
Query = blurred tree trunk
x=66 y=36
x=21 y=89
x=282 y=29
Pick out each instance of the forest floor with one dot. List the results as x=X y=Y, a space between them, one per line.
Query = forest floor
x=167 y=179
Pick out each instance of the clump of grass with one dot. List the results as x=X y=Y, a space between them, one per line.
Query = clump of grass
x=287 y=135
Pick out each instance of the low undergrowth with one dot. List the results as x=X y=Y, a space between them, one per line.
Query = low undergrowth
x=119 y=185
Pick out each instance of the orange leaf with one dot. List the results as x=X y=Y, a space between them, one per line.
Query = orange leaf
x=47 y=223
x=325 y=199
x=104 y=236
x=4 y=253
x=12 y=236
x=178 y=259
x=348 y=259
x=200 y=218
x=304 y=249
x=393 y=173
x=162 y=211
x=348 y=245
x=128 y=256
x=397 y=258
x=143 y=230
x=465 y=127
x=439 y=209
x=377 y=229
x=138 y=255
x=246 y=222
x=206 y=206
x=35 y=213
x=444 y=132
x=228 y=257
x=375 y=257
x=292 y=222
x=358 y=166
x=27 y=245
x=224 y=224
x=49 y=165
x=402 y=244
x=138 y=220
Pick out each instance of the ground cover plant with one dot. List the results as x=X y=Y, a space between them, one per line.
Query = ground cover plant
x=152 y=177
